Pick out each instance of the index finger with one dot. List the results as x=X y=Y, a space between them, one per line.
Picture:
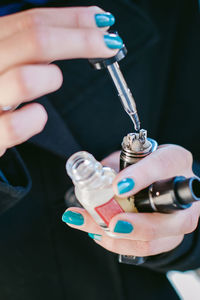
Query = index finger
x=46 y=44
x=70 y=17
x=168 y=161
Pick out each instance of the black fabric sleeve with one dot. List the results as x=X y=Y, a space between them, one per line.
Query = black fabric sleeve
x=184 y=257
x=15 y=181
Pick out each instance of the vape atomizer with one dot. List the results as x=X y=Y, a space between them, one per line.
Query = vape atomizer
x=136 y=146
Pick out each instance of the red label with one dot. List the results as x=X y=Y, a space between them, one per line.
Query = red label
x=108 y=210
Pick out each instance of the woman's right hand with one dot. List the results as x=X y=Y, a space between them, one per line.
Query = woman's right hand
x=29 y=41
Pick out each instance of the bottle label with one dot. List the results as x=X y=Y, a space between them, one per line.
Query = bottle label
x=127 y=204
x=108 y=210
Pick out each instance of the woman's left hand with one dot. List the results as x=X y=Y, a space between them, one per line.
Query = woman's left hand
x=143 y=234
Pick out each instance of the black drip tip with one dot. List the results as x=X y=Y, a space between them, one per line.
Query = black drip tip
x=168 y=195
x=188 y=190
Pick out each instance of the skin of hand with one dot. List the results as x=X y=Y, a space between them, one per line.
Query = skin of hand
x=151 y=233
x=29 y=42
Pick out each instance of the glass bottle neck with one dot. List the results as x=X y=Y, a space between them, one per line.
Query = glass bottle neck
x=85 y=171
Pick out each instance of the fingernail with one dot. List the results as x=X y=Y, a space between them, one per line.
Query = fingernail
x=73 y=217
x=113 y=41
x=125 y=185
x=103 y=20
x=123 y=227
x=94 y=236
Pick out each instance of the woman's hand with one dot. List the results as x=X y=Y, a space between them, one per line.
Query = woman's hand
x=143 y=234
x=29 y=41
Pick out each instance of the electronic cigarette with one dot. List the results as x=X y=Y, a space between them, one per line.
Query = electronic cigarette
x=93 y=182
x=93 y=189
x=135 y=146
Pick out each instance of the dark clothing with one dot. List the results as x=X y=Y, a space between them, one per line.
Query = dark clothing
x=41 y=257
x=10 y=6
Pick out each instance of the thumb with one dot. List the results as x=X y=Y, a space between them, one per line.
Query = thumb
x=112 y=161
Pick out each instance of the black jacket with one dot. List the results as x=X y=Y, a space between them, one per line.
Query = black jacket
x=42 y=258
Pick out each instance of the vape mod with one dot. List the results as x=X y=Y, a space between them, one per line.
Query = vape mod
x=135 y=146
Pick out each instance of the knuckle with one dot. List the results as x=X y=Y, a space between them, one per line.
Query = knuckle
x=31 y=18
x=173 y=157
x=36 y=39
x=90 y=42
x=21 y=87
x=184 y=155
x=77 y=18
x=163 y=161
x=151 y=233
x=146 y=248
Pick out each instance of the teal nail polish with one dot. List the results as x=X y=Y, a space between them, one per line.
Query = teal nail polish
x=94 y=236
x=73 y=217
x=103 y=20
x=113 y=41
x=125 y=185
x=123 y=227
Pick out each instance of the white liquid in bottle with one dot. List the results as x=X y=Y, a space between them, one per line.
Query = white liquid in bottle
x=93 y=187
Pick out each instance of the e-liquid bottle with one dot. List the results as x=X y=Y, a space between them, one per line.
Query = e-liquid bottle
x=93 y=187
